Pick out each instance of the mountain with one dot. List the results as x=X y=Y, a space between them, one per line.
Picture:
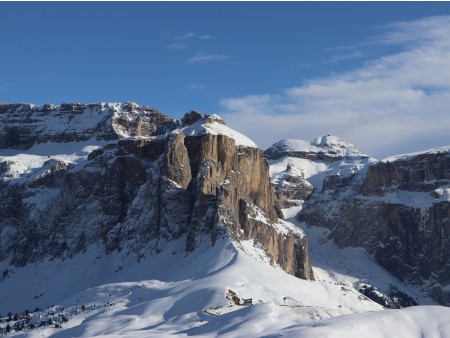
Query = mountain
x=397 y=208
x=117 y=220
x=136 y=180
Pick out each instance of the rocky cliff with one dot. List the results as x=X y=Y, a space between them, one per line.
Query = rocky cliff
x=23 y=125
x=130 y=179
x=397 y=209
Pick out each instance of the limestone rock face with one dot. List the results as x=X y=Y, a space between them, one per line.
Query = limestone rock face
x=226 y=198
x=399 y=211
x=151 y=181
x=279 y=244
x=23 y=125
x=291 y=187
x=424 y=173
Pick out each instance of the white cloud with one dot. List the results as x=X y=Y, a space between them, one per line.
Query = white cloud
x=192 y=35
x=355 y=54
x=395 y=103
x=197 y=86
x=182 y=42
x=205 y=58
x=176 y=46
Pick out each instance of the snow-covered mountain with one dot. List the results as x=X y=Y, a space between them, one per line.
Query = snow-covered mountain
x=150 y=180
x=326 y=148
x=397 y=209
x=117 y=220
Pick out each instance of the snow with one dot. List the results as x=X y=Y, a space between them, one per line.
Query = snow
x=330 y=145
x=25 y=163
x=84 y=121
x=343 y=158
x=438 y=150
x=58 y=121
x=216 y=128
x=316 y=171
x=281 y=227
x=174 y=294
x=349 y=266
x=421 y=321
x=168 y=293
x=171 y=294
x=416 y=199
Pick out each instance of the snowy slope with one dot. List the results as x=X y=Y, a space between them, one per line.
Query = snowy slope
x=169 y=293
x=23 y=165
x=323 y=156
x=173 y=294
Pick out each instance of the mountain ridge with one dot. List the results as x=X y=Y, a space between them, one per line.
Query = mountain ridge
x=145 y=180
x=396 y=208
x=177 y=232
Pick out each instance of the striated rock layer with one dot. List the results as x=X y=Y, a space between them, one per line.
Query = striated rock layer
x=399 y=210
x=150 y=180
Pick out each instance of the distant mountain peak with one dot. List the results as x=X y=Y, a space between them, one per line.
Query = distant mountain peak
x=324 y=147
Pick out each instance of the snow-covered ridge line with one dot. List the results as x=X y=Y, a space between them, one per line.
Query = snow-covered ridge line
x=23 y=125
x=331 y=146
x=406 y=156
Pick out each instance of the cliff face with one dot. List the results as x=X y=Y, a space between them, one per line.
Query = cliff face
x=151 y=180
x=23 y=125
x=398 y=210
x=423 y=172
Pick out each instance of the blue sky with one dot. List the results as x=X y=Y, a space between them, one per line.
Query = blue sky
x=372 y=73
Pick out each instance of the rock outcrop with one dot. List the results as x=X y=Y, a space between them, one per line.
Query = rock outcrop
x=291 y=187
x=23 y=125
x=399 y=211
x=152 y=180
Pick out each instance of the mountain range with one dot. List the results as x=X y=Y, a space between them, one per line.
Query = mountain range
x=118 y=220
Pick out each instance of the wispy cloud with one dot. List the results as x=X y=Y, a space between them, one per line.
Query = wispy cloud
x=192 y=35
x=197 y=86
x=176 y=46
x=394 y=103
x=205 y=58
x=4 y=86
x=352 y=55
x=184 y=41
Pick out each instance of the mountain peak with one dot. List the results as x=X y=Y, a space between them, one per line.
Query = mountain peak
x=194 y=116
x=194 y=124
x=338 y=145
x=326 y=147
